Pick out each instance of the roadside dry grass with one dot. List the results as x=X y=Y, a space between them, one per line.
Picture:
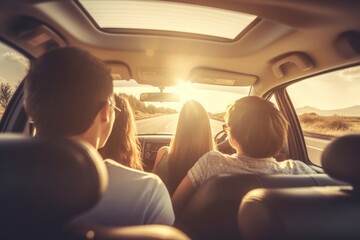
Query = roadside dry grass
x=141 y=115
x=217 y=116
x=329 y=125
x=2 y=110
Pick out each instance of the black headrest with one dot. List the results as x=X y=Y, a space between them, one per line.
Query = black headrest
x=300 y=213
x=47 y=181
x=341 y=159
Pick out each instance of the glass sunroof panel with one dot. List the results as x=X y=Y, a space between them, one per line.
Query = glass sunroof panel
x=167 y=16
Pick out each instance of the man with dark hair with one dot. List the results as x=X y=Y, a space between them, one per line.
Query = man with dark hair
x=69 y=92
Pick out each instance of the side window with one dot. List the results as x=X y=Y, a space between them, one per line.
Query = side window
x=13 y=68
x=273 y=100
x=327 y=107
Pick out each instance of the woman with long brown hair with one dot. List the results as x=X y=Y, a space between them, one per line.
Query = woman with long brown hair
x=122 y=145
x=193 y=138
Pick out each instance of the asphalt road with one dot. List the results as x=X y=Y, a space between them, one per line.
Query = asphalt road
x=168 y=123
x=315 y=147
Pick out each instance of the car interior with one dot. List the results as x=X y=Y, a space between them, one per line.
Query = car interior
x=334 y=210
x=301 y=55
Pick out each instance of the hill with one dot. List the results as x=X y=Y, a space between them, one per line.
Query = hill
x=350 y=111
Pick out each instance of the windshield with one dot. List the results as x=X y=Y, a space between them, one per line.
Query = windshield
x=159 y=118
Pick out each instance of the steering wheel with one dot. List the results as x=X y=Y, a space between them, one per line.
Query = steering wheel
x=222 y=141
x=220 y=137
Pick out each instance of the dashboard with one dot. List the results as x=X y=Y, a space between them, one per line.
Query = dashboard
x=150 y=144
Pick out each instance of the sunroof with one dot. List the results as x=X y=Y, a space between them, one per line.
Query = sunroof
x=166 y=16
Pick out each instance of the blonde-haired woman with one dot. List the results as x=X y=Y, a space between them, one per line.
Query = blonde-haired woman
x=193 y=138
x=122 y=145
x=257 y=130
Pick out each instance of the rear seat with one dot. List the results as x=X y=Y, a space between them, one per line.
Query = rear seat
x=212 y=211
x=312 y=212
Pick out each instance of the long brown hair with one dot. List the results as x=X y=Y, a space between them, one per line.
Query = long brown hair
x=122 y=145
x=193 y=138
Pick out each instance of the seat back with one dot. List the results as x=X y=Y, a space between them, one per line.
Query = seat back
x=44 y=182
x=212 y=211
x=145 y=232
x=300 y=213
x=309 y=213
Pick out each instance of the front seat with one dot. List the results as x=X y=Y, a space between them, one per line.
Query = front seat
x=45 y=182
x=212 y=211
x=309 y=213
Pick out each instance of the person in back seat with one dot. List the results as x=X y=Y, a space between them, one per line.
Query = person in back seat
x=257 y=130
x=69 y=93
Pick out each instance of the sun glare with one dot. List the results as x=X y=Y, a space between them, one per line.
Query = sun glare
x=214 y=98
x=184 y=90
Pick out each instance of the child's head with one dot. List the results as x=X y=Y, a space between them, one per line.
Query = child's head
x=257 y=126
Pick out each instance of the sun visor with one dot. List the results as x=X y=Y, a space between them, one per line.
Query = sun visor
x=221 y=77
x=119 y=71
x=158 y=76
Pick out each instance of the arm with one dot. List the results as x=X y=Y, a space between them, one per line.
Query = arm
x=182 y=196
x=159 y=156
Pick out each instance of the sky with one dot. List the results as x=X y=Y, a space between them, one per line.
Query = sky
x=334 y=90
x=13 y=66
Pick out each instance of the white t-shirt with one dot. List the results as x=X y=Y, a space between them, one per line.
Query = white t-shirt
x=214 y=163
x=132 y=198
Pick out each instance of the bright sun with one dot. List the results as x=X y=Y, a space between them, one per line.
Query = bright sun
x=185 y=90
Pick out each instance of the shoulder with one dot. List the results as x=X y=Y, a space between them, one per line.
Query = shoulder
x=123 y=173
x=214 y=156
x=209 y=160
x=299 y=167
x=162 y=150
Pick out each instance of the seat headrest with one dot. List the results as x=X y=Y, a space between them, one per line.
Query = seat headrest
x=341 y=159
x=47 y=180
x=309 y=213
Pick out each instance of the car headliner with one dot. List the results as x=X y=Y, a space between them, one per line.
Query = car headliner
x=312 y=29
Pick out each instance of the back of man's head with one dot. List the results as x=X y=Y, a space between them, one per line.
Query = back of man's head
x=65 y=89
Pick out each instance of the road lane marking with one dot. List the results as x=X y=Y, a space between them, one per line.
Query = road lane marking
x=319 y=149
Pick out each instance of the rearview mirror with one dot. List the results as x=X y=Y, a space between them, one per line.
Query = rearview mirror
x=159 y=97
